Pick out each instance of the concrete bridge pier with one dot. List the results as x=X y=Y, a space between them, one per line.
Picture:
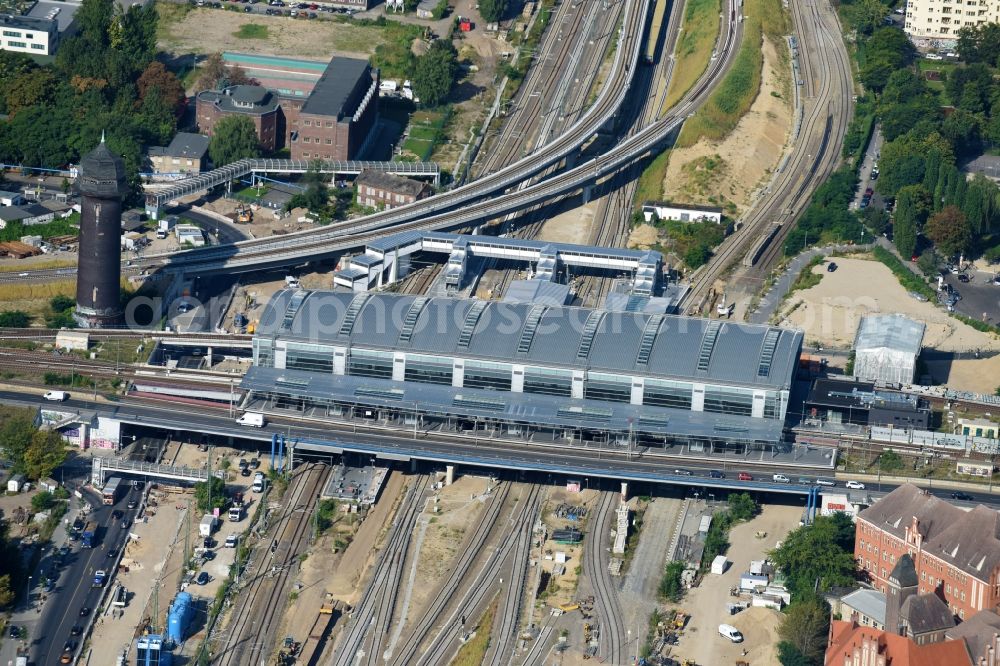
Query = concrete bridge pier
x=449 y=475
x=624 y=491
x=586 y=194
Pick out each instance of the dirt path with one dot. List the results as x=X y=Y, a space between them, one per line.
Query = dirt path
x=727 y=173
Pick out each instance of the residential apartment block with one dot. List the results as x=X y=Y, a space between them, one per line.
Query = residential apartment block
x=937 y=22
x=956 y=553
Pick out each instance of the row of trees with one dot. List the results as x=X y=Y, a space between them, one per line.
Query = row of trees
x=814 y=559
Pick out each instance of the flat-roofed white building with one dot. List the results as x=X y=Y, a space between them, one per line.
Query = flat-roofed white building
x=28 y=34
x=937 y=22
x=681 y=212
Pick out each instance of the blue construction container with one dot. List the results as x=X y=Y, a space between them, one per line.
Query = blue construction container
x=180 y=617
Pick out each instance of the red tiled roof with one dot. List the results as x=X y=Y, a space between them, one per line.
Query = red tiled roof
x=897 y=650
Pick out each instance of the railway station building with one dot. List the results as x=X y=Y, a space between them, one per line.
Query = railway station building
x=523 y=371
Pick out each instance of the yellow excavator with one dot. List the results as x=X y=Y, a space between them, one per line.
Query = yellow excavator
x=243 y=214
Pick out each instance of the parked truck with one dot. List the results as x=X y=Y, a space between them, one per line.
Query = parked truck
x=236 y=513
x=100 y=577
x=89 y=534
x=208 y=524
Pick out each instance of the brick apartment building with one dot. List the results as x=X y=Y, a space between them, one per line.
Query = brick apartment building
x=335 y=122
x=259 y=104
x=384 y=190
x=956 y=553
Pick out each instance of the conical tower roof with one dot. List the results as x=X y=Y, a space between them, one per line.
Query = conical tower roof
x=102 y=173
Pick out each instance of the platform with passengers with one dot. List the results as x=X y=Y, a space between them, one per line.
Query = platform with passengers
x=387 y=259
x=156 y=200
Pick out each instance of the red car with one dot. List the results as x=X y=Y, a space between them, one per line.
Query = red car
x=744 y=476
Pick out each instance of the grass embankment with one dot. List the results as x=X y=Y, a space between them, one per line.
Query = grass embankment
x=699 y=31
x=38 y=265
x=35 y=293
x=473 y=653
x=734 y=96
x=650 y=185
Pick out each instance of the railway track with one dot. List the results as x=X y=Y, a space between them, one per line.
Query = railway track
x=477 y=595
x=469 y=552
x=606 y=601
x=503 y=638
x=250 y=638
x=827 y=77
x=372 y=614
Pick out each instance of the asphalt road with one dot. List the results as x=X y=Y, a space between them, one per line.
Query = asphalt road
x=74 y=589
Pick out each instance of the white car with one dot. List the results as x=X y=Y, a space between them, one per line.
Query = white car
x=933 y=56
x=855 y=485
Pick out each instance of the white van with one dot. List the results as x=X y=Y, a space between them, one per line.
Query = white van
x=253 y=419
x=56 y=396
x=780 y=478
x=730 y=632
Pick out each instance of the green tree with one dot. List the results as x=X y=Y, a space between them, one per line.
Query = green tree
x=890 y=461
x=492 y=10
x=866 y=15
x=980 y=43
x=46 y=452
x=805 y=627
x=42 y=501
x=233 y=138
x=819 y=555
x=316 y=194
x=789 y=655
x=742 y=506
x=7 y=594
x=927 y=262
x=201 y=493
x=949 y=231
x=216 y=74
x=157 y=76
x=14 y=319
x=33 y=88
x=671 y=587
x=912 y=206
x=61 y=303
x=435 y=73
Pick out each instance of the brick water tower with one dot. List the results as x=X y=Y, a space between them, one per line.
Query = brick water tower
x=101 y=184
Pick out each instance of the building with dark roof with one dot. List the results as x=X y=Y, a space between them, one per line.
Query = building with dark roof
x=254 y=102
x=337 y=120
x=27 y=214
x=570 y=372
x=185 y=154
x=860 y=403
x=981 y=634
x=956 y=553
x=377 y=189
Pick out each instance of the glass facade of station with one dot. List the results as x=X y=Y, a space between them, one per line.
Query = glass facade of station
x=553 y=381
